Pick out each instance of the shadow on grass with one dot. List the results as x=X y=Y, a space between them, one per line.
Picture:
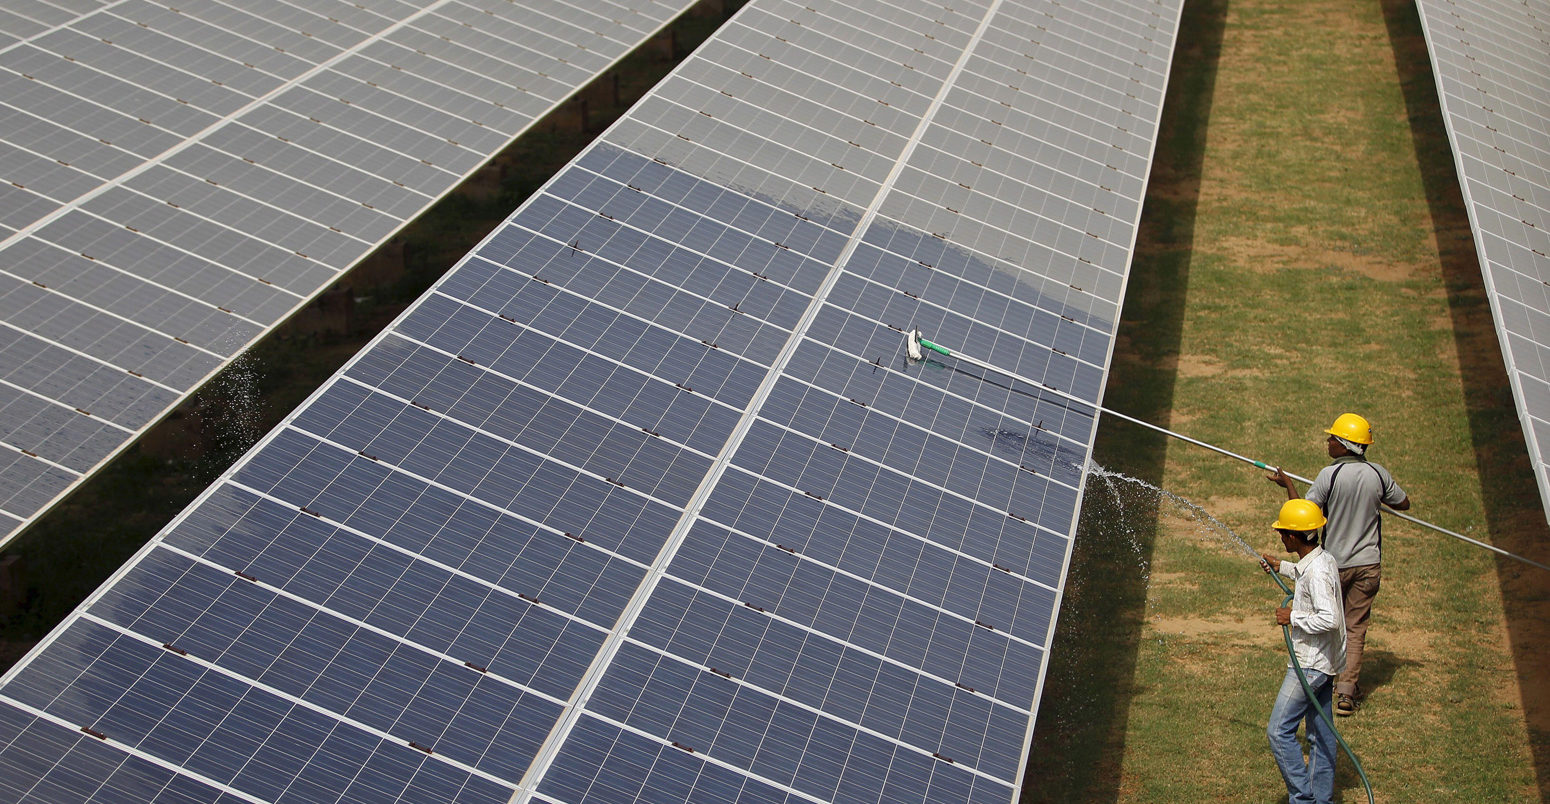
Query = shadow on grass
x=1078 y=743
x=1379 y=667
x=1514 y=519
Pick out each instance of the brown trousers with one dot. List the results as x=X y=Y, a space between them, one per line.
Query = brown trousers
x=1359 y=585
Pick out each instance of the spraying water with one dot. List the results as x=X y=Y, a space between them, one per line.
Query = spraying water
x=1106 y=603
x=232 y=417
x=1207 y=523
x=1114 y=501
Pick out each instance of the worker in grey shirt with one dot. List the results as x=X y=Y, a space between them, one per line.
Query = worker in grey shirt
x=1349 y=491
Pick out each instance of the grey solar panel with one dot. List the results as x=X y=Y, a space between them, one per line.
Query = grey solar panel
x=178 y=180
x=641 y=502
x=1491 y=61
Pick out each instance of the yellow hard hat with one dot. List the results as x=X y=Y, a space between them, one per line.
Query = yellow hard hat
x=1352 y=428
x=1303 y=515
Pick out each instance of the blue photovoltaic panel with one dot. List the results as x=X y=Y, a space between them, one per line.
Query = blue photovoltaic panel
x=642 y=501
x=176 y=180
x=1492 y=65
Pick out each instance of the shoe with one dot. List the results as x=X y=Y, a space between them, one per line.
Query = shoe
x=1345 y=706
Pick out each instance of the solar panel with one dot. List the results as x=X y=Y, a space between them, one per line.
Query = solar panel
x=179 y=179
x=641 y=501
x=1492 y=66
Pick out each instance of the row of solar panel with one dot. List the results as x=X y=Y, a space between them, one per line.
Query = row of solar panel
x=371 y=507
x=178 y=180
x=625 y=456
x=1491 y=62
x=603 y=761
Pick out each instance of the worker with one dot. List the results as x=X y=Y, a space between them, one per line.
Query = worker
x=1349 y=491
x=1317 y=627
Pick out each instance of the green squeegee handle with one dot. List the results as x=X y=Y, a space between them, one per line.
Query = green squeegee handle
x=941 y=350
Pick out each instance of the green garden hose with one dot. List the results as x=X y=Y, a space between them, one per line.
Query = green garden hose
x=1286 y=632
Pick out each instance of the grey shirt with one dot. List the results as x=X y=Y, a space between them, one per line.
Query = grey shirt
x=1349 y=491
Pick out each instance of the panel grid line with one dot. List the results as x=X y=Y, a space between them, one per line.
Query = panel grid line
x=87 y=356
x=788 y=790
x=208 y=130
x=239 y=68
x=132 y=751
x=293 y=700
x=62 y=26
x=409 y=554
x=813 y=439
x=896 y=530
x=450 y=174
x=62 y=406
x=152 y=283
x=473 y=428
x=743 y=684
x=40 y=459
x=1051 y=248
x=233 y=272
x=382 y=632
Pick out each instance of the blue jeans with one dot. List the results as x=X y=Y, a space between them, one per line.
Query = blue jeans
x=1311 y=782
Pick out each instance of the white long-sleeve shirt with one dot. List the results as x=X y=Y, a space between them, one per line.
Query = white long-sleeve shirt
x=1318 y=612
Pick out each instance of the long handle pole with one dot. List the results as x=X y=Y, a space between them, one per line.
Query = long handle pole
x=915 y=354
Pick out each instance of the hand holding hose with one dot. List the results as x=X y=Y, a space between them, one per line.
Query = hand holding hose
x=1284 y=615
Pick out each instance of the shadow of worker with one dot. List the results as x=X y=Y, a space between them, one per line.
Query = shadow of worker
x=1378 y=669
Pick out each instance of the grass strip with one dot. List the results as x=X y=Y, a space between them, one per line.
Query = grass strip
x=1303 y=253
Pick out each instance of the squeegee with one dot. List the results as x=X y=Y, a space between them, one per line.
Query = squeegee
x=916 y=347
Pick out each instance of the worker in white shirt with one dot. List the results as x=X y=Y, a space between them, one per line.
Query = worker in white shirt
x=1316 y=620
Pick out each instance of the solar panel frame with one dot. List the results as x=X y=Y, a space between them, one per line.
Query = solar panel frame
x=1491 y=64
